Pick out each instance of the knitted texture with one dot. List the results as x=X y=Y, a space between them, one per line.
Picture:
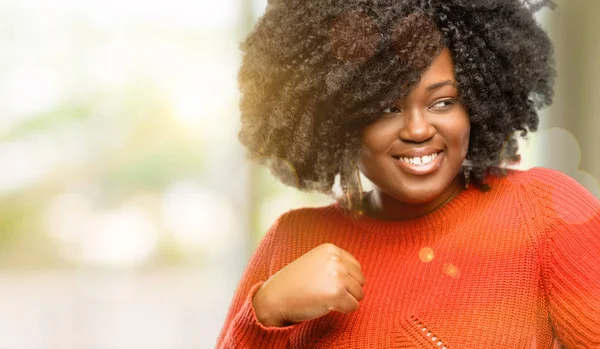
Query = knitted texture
x=515 y=267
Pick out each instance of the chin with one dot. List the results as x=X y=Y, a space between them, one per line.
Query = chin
x=418 y=197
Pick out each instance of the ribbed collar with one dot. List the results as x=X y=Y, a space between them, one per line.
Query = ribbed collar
x=442 y=219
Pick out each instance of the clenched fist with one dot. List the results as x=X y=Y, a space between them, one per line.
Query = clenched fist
x=325 y=278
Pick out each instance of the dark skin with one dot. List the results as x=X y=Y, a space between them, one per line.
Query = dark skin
x=413 y=153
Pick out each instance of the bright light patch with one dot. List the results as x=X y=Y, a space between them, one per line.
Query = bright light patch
x=178 y=14
x=198 y=217
x=26 y=161
x=27 y=89
x=124 y=237
x=426 y=254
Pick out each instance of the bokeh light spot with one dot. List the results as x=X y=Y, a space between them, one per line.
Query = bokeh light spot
x=555 y=148
x=451 y=270
x=426 y=254
x=198 y=218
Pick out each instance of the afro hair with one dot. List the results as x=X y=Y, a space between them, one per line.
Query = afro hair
x=315 y=72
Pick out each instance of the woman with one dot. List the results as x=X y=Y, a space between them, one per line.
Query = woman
x=426 y=98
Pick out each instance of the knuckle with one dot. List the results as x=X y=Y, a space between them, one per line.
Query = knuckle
x=336 y=262
x=330 y=248
x=336 y=274
x=327 y=245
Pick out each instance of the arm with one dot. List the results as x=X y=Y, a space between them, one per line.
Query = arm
x=571 y=261
x=242 y=329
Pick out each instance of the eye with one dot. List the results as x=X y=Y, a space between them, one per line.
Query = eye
x=393 y=109
x=443 y=105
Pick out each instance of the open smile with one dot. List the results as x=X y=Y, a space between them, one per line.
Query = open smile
x=420 y=165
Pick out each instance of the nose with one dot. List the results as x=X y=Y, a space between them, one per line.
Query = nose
x=416 y=128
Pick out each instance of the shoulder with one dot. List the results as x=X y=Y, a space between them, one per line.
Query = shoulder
x=549 y=176
x=303 y=219
x=539 y=174
x=546 y=181
x=297 y=231
x=557 y=195
x=302 y=215
x=541 y=179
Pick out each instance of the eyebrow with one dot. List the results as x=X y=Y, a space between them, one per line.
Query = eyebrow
x=440 y=84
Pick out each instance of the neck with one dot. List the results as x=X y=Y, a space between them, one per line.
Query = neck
x=381 y=206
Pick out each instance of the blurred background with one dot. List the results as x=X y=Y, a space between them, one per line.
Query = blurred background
x=127 y=209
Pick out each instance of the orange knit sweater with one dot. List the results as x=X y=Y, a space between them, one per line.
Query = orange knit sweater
x=515 y=267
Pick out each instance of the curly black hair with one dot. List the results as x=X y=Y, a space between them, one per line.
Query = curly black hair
x=315 y=72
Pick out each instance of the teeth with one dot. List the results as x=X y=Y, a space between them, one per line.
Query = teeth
x=422 y=160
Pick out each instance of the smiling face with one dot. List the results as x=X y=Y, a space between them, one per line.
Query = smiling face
x=414 y=151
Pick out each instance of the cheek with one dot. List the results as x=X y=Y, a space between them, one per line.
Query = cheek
x=374 y=146
x=376 y=139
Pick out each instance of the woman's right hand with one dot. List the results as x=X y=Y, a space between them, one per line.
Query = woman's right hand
x=325 y=278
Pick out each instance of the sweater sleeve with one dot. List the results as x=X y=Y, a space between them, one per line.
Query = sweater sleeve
x=242 y=328
x=571 y=261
